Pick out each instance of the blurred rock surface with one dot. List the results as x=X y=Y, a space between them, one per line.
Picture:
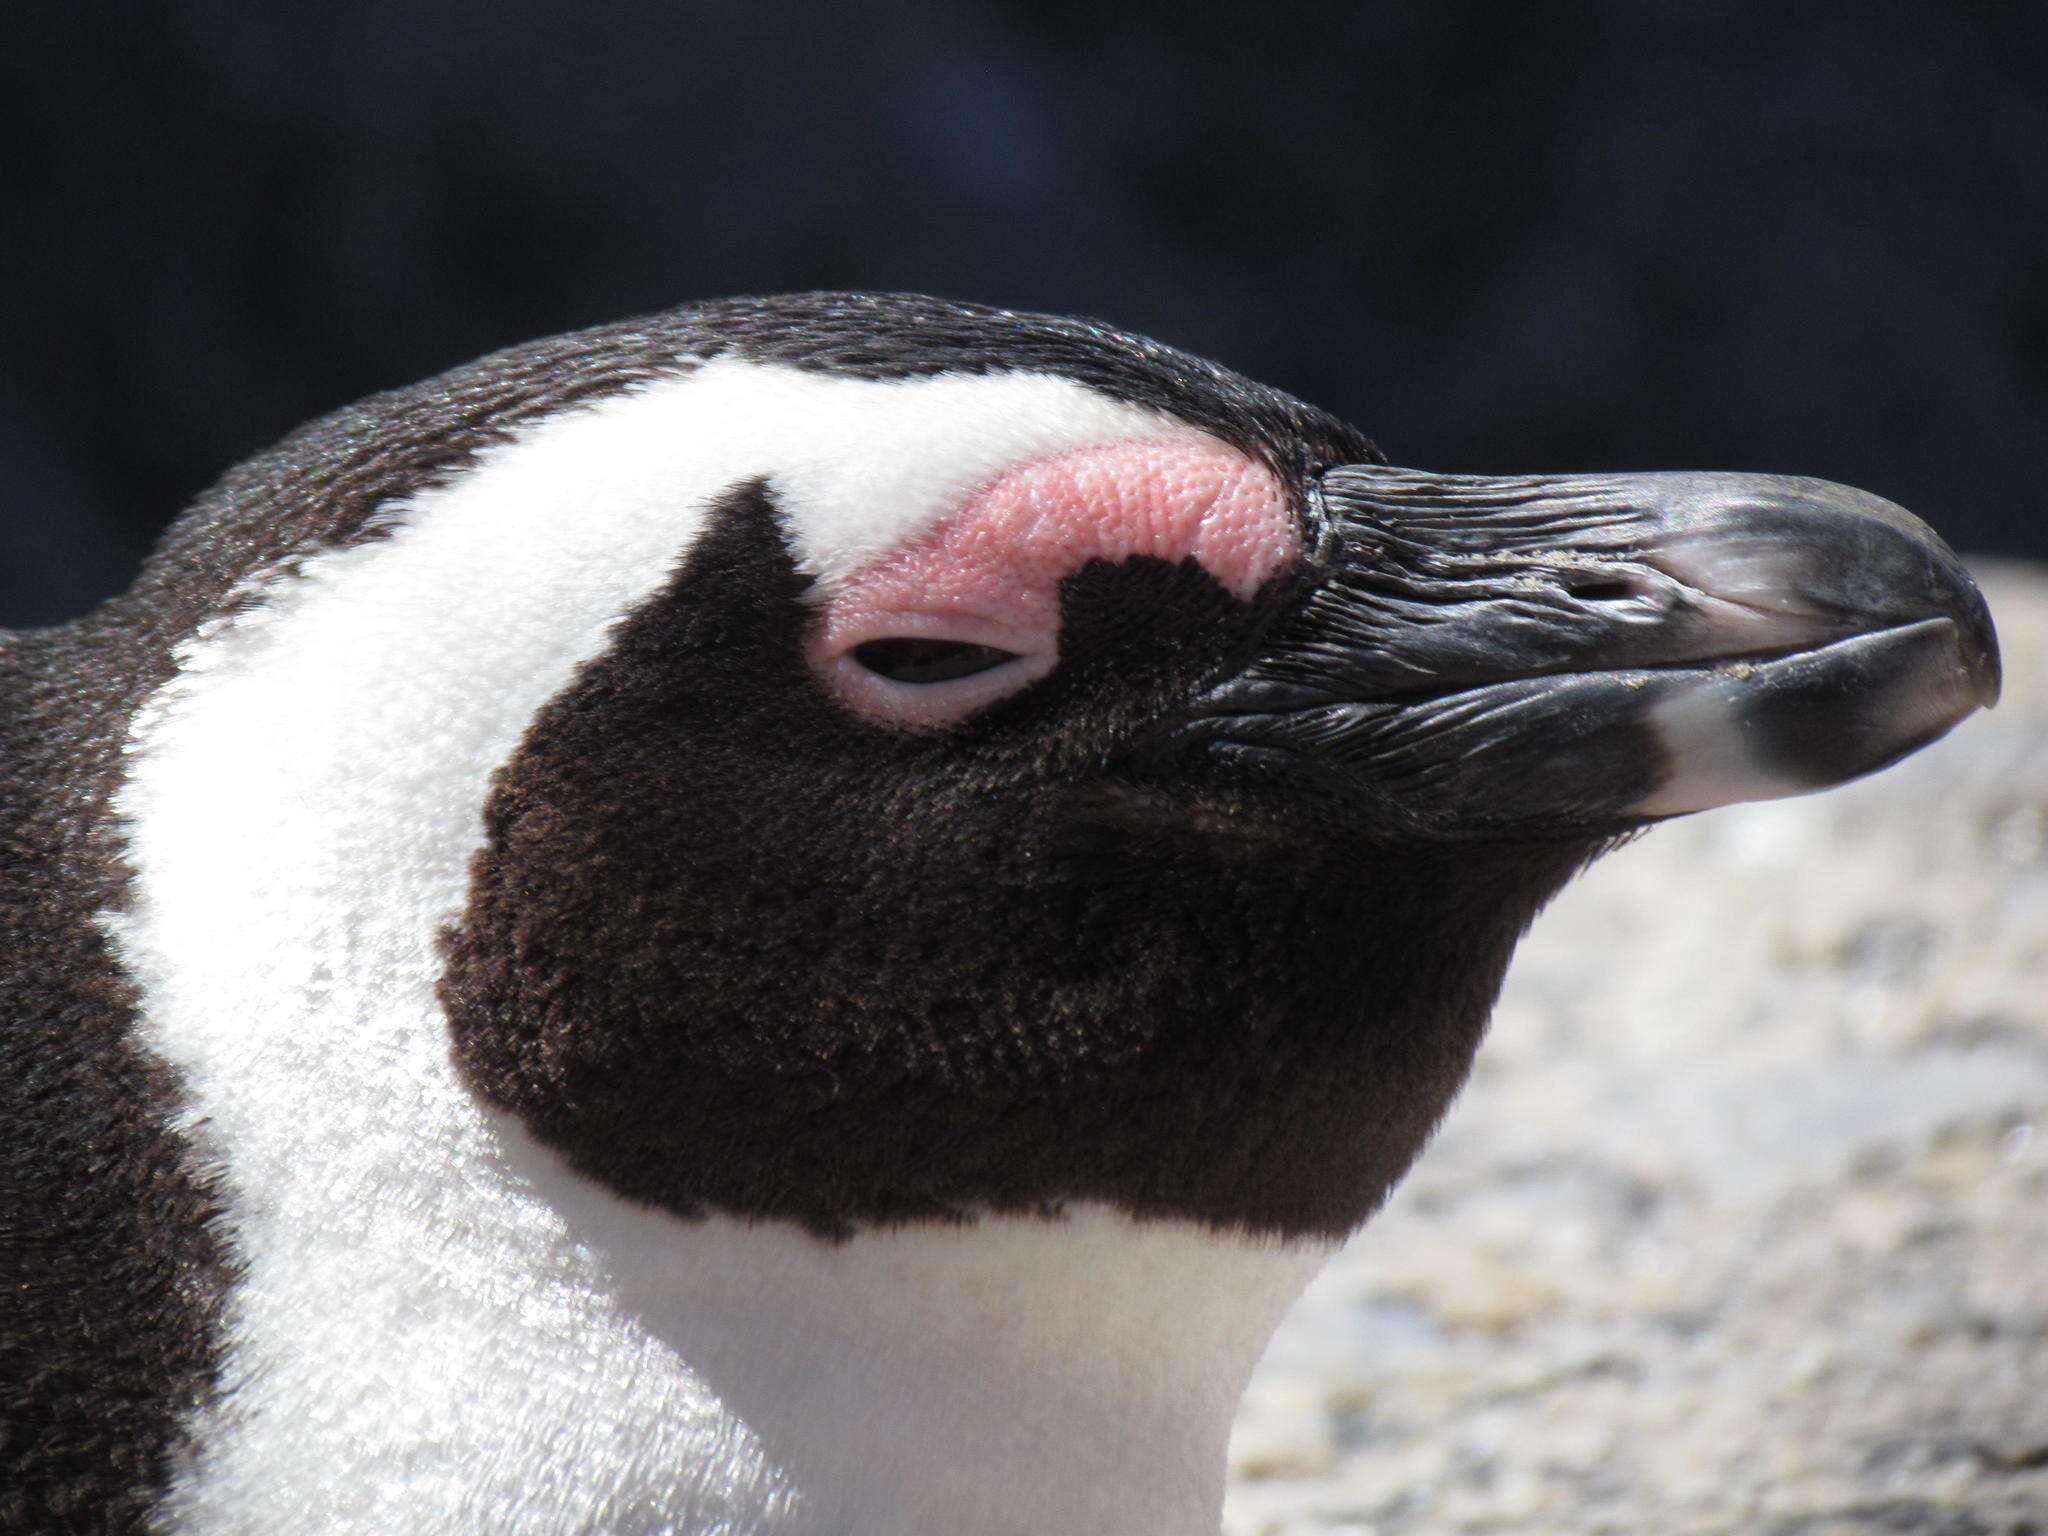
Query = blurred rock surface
x=1742 y=1225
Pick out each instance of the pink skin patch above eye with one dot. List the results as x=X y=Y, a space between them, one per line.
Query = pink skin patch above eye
x=990 y=573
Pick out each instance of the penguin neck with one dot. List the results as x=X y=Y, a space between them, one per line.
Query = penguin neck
x=1075 y=1372
x=444 y=1329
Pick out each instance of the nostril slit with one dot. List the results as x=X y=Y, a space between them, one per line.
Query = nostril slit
x=1606 y=590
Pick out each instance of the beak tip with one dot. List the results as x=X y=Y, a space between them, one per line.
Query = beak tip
x=1989 y=677
x=1979 y=641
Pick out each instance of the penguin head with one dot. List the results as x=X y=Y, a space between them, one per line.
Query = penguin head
x=984 y=762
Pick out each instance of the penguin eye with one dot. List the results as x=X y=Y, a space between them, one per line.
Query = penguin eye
x=925 y=671
x=917 y=659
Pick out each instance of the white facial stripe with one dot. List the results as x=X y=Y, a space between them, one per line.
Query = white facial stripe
x=861 y=469
x=428 y=1338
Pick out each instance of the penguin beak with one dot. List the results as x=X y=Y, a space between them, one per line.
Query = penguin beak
x=1478 y=653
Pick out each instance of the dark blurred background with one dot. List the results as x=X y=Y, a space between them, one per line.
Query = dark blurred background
x=1793 y=237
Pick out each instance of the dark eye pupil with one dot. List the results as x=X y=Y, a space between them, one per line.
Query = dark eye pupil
x=909 y=660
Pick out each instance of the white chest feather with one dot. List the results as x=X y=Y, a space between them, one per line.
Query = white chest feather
x=441 y=1331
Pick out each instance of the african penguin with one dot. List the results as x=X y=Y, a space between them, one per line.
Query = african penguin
x=807 y=915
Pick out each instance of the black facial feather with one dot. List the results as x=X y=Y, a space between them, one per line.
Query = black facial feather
x=111 y=1274
x=955 y=984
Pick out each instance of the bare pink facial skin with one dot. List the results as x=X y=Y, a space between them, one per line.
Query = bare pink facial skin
x=989 y=573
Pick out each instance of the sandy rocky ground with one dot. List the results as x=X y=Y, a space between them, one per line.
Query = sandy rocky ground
x=1742 y=1226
